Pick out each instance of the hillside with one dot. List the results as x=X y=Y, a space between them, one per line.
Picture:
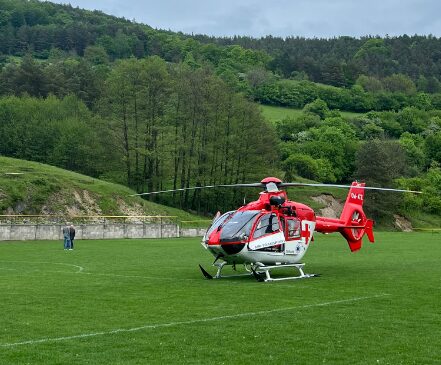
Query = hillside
x=31 y=188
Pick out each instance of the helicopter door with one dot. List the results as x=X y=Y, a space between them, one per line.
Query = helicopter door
x=292 y=233
x=267 y=235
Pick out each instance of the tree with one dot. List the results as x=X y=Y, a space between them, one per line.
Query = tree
x=96 y=55
x=318 y=107
x=373 y=55
x=369 y=83
x=399 y=83
x=432 y=146
x=30 y=78
x=379 y=163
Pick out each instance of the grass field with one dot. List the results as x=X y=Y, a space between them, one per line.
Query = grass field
x=145 y=302
x=276 y=113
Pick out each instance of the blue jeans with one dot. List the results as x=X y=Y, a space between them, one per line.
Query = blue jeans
x=66 y=243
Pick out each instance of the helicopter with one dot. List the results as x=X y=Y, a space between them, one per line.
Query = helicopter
x=274 y=232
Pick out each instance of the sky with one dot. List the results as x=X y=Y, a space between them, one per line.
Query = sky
x=258 y=18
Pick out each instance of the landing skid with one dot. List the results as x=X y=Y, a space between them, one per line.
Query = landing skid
x=220 y=266
x=260 y=271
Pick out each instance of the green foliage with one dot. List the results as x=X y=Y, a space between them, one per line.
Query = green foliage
x=292 y=128
x=304 y=165
x=96 y=55
x=430 y=186
x=52 y=131
x=318 y=107
x=332 y=145
x=379 y=163
x=369 y=83
x=413 y=145
x=297 y=94
x=372 y=131
x=432 y=146
x=399 y=83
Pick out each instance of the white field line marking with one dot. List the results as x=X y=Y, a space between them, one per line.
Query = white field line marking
x=181 y=323
x=115 y=275
x=80 y=268
x=295 y=283
x=111 y=275
x=138 y=276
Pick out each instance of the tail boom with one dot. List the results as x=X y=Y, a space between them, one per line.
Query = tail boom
x=353 y=223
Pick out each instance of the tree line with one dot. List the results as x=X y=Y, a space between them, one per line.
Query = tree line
x=339 y=61
x=154 y=126
x=49 y=30
x=401 y=93
x=377 y=147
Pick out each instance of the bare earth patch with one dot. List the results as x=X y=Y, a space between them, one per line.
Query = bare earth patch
x=128 y=210
x=333 y=207
x=402 y=223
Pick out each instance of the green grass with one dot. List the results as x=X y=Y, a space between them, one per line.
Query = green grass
x=424 y=220
x=276 y=113
x=145 y=302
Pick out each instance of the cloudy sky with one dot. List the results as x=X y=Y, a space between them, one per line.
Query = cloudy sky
x=309 y=18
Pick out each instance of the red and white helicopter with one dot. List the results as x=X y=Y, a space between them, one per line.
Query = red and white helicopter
x=274 y=232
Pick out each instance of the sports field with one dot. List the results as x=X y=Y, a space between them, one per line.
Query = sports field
x=145 y=302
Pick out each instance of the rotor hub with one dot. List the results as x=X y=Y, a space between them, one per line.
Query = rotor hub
x=274 y=180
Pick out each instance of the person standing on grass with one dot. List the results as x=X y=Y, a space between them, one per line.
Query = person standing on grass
x=71 y=236
x=66 y=236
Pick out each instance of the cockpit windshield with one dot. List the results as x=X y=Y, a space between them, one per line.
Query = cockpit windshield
x=238 y=227
x=217 y=223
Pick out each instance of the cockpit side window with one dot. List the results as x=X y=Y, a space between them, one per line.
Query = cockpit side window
x=267 y=224
x=293 y=228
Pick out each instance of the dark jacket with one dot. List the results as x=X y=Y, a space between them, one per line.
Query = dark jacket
x=72 y=233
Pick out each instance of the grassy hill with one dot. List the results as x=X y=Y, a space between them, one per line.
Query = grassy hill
x=31 y=188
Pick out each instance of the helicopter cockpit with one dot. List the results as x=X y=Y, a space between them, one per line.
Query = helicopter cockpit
x=237 y=226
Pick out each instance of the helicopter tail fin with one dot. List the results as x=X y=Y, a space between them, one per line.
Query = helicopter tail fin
x=354 y=218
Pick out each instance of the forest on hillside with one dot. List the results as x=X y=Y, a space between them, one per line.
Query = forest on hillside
x=155 y=110
x=339 y=61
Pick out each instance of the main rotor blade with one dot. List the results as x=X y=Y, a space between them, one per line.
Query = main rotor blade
x=252 y=185
x=349 y=186
x=173 y=190
x=280 y=185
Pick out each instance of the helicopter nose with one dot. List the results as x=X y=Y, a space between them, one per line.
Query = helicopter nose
x=234 y=248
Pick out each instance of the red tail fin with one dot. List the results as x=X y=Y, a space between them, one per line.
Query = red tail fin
x=353 y=216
